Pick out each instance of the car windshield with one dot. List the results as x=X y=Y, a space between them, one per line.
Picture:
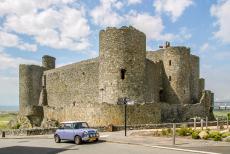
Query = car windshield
x=80 y=125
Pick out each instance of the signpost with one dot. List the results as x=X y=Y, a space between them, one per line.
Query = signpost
x=125 y=101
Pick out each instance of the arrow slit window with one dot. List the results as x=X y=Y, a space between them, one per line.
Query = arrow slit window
x=123 y=71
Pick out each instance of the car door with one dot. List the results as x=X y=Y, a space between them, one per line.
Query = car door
x=61 y=131
x=68 y=131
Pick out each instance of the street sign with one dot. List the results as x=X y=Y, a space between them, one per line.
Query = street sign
x=125 y=101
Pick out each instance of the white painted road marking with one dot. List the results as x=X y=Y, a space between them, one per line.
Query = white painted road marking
x=177 y=149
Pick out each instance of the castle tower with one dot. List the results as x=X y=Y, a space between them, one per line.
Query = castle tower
x=48 y=62
x=30 y=85
x=122 y=64
x=176 y=62
x=194 y=78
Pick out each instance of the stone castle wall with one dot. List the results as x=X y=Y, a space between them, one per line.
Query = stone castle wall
x=103 y=114
x=72 y=84
x=153 y=81
x=122 y=53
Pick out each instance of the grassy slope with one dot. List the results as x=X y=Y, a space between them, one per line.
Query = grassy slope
x=5 y=118
x=221 y=113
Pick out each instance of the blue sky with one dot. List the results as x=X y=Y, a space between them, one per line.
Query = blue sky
x=68 y=30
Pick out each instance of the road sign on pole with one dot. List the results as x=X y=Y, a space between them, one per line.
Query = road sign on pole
x=125 y=101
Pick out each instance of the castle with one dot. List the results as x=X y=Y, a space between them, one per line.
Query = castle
x=165 y=85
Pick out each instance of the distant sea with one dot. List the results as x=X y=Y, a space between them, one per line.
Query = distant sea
x=9 y=108
x=222 y=104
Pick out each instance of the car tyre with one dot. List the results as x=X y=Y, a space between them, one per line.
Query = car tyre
x=96 y=140
x=57 y=139
x=77 y=140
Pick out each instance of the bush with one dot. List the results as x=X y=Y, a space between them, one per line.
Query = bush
x=225 y=134
x=166 y=132
x=213 y=134
x=184 y=131
x=195 y=135
x=228 y=116
x=217 y=138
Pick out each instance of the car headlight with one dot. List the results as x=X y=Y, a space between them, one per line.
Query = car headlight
x=85 y=133
x=97 y=134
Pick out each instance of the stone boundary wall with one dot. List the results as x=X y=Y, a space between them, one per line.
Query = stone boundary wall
x=28 y=132
x=46 y=131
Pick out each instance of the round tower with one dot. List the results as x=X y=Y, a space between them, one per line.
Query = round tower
x=121 y=64
x=177 y=74
x=194 y=78
x=48 y=62
x=30 y=85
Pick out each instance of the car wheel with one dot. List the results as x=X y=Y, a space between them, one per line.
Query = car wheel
x=57 y=139
x=96 y=140
x=77 y=140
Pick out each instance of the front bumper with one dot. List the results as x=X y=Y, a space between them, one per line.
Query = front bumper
x=90 y=138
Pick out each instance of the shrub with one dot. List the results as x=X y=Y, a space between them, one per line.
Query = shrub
x=225 y=134
x=213 y=134
x=166 y=132
x=195 y=135
x=227 y=139
x=217 y=138
x=228 y=116
x=184 y=131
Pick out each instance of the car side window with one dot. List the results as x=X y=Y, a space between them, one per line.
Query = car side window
x=76 y=126
x=68 y=126
x=61 y=126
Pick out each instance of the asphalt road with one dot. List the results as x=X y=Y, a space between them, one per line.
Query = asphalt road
x=48 y=146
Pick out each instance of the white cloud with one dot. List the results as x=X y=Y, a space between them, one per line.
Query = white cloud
x=9 y=77
x=12 y=40
x=153 y=26
x=8 y=62
x=130 y=2
x=204 y=47
x=9 y=92
x=50 y=23
x=173 y=8
x=221 y=11
x=105 y=13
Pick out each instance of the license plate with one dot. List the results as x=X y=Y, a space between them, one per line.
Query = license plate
x=92 y=139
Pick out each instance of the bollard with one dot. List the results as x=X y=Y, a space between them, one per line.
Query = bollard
x=206 y=122
x=3 y=134
x=201 y=124
x=174 y=133
x=194 y=123
x=217 y=123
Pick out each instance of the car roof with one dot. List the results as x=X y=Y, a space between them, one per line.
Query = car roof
x=66 y=122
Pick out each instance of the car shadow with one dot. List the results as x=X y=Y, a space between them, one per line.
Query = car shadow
x=33 y=150
x=83 y=143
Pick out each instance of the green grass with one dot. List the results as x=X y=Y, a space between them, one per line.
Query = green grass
x=222 y=113
x=5 y=118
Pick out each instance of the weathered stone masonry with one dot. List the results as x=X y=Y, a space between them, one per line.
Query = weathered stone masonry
x=165 y=84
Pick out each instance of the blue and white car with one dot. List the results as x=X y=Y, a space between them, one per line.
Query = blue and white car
x=77 y=131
